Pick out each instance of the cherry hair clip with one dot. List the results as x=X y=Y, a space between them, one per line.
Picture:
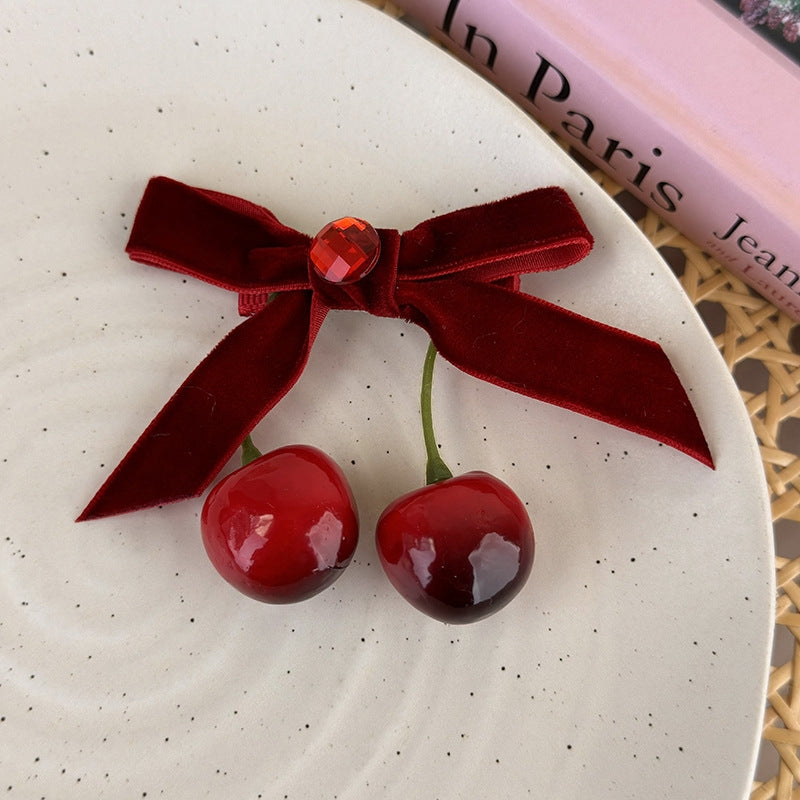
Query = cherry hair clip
x=455 y=275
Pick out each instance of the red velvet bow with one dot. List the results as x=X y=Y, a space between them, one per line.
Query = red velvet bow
x=456 y=275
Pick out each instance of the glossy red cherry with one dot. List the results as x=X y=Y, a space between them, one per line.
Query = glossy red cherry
x=457 y=550
x=282 y=528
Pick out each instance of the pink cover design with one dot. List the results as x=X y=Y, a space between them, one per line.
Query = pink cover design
x=681 y=104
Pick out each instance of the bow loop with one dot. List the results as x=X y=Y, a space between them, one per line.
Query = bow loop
x=531 y=232
x=455 y=275
x=205 y=234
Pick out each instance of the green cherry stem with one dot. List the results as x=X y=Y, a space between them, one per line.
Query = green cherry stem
x=249 y=451
x=435 y=468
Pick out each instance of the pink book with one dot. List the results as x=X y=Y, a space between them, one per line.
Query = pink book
x=686 y=104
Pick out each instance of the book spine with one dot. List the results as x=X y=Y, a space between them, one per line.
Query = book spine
x=641 y=152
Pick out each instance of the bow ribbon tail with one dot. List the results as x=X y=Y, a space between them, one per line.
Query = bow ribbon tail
x=543 y=351
x=202 y=424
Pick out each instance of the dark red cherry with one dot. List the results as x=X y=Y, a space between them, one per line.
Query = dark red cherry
x=458 y=550
x=282 y=528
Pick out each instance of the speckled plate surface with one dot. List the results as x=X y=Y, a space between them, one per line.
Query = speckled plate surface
x=632 y=664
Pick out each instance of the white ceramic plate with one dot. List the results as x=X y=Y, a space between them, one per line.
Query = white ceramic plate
x=632 y=664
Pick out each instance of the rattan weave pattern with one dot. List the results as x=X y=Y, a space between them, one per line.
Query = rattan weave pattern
x=761 y=347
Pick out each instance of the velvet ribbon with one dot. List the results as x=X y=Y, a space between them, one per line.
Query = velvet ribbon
x=455 y=275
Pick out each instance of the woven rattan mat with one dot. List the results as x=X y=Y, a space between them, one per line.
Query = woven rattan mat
x=760 y=345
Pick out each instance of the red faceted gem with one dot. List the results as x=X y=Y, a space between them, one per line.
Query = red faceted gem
x=345 y=250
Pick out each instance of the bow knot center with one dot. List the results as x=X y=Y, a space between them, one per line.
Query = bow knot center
x=356 y=272
x=345 y=250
